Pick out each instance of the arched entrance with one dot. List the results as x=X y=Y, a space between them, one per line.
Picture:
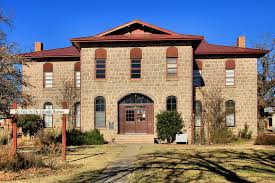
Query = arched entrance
x=136 y=114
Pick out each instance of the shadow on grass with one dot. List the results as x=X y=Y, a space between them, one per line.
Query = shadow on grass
x=173 y=166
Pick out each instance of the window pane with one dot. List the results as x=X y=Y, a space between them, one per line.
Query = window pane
x=100 y=61
x=48 y=119
x=77 y=115
x=172 y=67
x=230 y=119
x=100 y=119
x=229 y=77
x=171 y=103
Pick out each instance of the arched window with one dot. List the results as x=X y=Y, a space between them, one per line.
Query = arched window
x=48 y=118
x=171 y=62
x=229 y=72
x=198 y=113
x=48 y=75
x=197 y=73
x=230 y=113
x=135 y=56
x=77 y=74
x=100 y=112
x=77 y=115
x=100 y=63
x=171 y=103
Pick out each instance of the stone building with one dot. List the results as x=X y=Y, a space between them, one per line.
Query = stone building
x=128 y=74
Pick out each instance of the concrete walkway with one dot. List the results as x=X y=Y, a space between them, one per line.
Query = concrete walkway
x=119 y=170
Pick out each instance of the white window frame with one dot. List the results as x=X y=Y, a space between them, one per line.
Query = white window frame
x=230 y=77
x=172 y=65
x=48 y=79
x=77 y=78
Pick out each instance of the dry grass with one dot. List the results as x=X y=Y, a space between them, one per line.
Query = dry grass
x=83 y=163
x=181 y=163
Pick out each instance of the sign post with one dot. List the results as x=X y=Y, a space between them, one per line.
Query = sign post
x=64 y=113
x=14 y=131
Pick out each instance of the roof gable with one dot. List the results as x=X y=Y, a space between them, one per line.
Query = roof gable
x=135 y=27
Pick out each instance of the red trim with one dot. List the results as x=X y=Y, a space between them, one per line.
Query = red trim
x=48 y=67
x=172 y=52
x=230 y=64
x=77 y=66
x=100 y=53
x=136 y=53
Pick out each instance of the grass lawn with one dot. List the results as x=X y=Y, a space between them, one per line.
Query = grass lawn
x=83 y=164
x=194 y=163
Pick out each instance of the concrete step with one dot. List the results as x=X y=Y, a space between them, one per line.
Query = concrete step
x=135 y=139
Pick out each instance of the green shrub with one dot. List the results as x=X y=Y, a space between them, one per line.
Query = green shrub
x=222 y=136
x=75 y=137
x=245 y=133
x=4 y=138
x=30 y=123
x=265 y=139
x=169 y=123
x=93 y=137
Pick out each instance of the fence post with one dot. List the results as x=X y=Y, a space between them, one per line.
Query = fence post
x=64 y=116
x=14 y=130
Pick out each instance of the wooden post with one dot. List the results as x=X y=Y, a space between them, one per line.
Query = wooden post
x=14 y=131
x=63 y=155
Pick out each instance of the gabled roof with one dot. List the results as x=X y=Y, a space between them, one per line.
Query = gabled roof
x=211 y=49
x=136 y=30
x=127 y=25
x=70 y=51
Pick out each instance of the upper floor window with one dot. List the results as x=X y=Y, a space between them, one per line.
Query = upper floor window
x=48 y=118
x=197 y=73
x=171 y=62
x=100 y=112
x=48 y=75
x=100 y=63
x=230 y=113
x=77 y=115
x=229 y=72
x=171 y=103
x=77 y=74
x=136 y=56
x=198 y=113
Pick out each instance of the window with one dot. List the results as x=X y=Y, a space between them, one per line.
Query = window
x=198 y=113
x=100 y=63
x=77 y=74
x=48 y=75
x=77 y=115
x=197 y=73
x=230 y=113
x=135 y=69
x=171 y=62
x=229 y=72
x=100 y=112
x=135 y=56
x=171 y=103
x=48 y=118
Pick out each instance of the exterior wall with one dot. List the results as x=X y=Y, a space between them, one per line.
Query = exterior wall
x=244 y=92
x=118 y=84
x=62 y=71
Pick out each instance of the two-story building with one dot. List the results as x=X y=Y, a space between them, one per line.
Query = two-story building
x=128 y=74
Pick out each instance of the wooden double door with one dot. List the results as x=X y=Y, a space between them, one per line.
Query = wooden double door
x=136 y=118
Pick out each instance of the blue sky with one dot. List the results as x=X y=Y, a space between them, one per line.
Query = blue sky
x=54 y=22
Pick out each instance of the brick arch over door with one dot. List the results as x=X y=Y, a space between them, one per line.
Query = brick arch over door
x=136 y=114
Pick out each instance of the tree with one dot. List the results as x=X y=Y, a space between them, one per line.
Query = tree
x=11 y=79
x=70 y=94
x=30 y=124
x=266 y=74
x=214 y=117
x=169 y=123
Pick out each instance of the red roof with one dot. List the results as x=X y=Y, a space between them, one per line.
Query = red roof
x=211 y=49
x=70 y=51
x=137 y=37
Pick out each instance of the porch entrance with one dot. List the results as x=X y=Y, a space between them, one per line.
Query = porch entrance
x=136 y=114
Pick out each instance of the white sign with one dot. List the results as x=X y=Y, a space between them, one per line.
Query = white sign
x=39 y=111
